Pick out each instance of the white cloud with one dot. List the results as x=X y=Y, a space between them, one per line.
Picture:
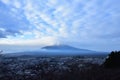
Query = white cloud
x=29 y=42
x=6 y=1
x=2 y=29
x=81 y=21
x=17 y=4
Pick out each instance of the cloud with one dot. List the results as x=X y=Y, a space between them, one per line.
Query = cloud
x=11 y=20
x=30 y=42
x=5 y=33
x=77 y=21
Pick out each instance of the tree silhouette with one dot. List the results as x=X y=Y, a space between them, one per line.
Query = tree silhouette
x=113 y=60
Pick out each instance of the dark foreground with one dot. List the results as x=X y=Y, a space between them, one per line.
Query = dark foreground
x=56 y=68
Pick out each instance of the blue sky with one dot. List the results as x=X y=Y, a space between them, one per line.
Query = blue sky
x=31 y=24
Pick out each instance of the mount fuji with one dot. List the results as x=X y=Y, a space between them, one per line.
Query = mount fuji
x=57 y=50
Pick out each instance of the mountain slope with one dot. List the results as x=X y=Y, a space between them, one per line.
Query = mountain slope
x=59 y=47
x=65 y=48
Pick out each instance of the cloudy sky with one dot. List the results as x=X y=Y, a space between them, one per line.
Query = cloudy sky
x=31 y=24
